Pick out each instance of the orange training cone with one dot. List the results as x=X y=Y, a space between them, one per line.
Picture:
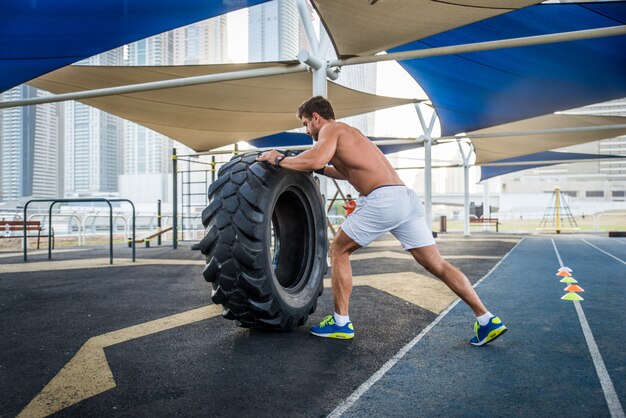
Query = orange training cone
x=564 y=273
x=574 y=288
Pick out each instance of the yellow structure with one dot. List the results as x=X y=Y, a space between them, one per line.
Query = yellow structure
x=555 y=214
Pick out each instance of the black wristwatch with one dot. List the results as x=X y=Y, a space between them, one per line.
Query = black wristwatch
x=278 y=160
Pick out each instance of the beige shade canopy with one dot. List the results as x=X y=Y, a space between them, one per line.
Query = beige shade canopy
x=209 y=116
x=364 y=27
x=504 y=146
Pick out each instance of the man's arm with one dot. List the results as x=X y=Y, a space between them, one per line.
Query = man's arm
x=312 y=159
x=330 y=171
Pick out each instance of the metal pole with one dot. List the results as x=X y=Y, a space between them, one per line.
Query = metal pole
x=466 y=228
x=134 y=224
x=537 y=131
x=159 y=221
x=159 y=85
x=557 y=203
x=466 y=205
x=110 y=232
x=305 y=18
x=269 y=71
x=186 y=226
x=486 y=205
x=174 y=199
x=133 y=206
x=24 y=230
x=320 y=86
x=428 y=181
x=49 y=234
x=486 y=46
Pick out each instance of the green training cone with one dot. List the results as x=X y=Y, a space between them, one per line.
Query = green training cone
x=572 y=296
x=568 y=280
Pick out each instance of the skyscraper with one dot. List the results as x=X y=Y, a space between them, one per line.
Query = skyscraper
x=273 y=31
x=30 y=148
x=146 y=151
x=204 y=42
x=92 y=142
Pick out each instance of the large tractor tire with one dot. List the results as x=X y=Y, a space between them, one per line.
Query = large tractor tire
x=266 y=243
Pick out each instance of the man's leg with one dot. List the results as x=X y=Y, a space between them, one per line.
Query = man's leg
x=338 y=325
x=431 y=259
x=341 y=270
x=487 y=327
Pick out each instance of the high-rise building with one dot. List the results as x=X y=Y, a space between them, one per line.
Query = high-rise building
x=273 y=31
x=204 y=42
x=146 y=151
x=30 y=148
x=93 y=142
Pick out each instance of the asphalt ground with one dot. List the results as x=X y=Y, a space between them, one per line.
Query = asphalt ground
x=82 y=338
x=542 y=366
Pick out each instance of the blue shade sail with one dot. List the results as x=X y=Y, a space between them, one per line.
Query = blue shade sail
x=38 y=36
x=482 y=89
x=540 y=159
x=285 y=140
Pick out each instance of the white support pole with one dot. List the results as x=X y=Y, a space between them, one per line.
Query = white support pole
x=428 y=180
x=263 y=72
x=159 y=85
x=537 y=131
x=316 y=59
x=305 y=18
x=466 y=203
x=320 y=85
x=486 y=204
x=324 y=44
x=487 y=46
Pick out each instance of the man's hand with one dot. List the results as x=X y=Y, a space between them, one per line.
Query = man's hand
x=270 y=156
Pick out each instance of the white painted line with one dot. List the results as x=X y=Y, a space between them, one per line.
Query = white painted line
x=602 y=251
x=365 y=386
x=615 y=407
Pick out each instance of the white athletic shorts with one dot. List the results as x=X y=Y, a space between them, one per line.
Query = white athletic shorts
x=395 y=209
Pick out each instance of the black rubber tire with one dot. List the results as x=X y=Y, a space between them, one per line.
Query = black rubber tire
x=249 y=204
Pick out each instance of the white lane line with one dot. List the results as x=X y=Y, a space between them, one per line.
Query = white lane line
x=602 y=251
x=365 y=386
x=615 y=407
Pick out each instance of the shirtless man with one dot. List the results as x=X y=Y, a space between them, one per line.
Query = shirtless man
x=385 y=205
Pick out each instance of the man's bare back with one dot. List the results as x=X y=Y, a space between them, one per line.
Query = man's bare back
x=360 y=162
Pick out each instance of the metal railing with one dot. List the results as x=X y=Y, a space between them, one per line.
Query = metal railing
x=55 y=201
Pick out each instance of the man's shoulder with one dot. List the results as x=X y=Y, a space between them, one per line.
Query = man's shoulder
x=339 y=128
x=333 y=126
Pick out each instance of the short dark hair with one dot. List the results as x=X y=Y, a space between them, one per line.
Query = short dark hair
x=319 y=105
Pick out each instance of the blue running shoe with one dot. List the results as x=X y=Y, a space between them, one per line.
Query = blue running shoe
x=489 y=332
x=329 y=329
